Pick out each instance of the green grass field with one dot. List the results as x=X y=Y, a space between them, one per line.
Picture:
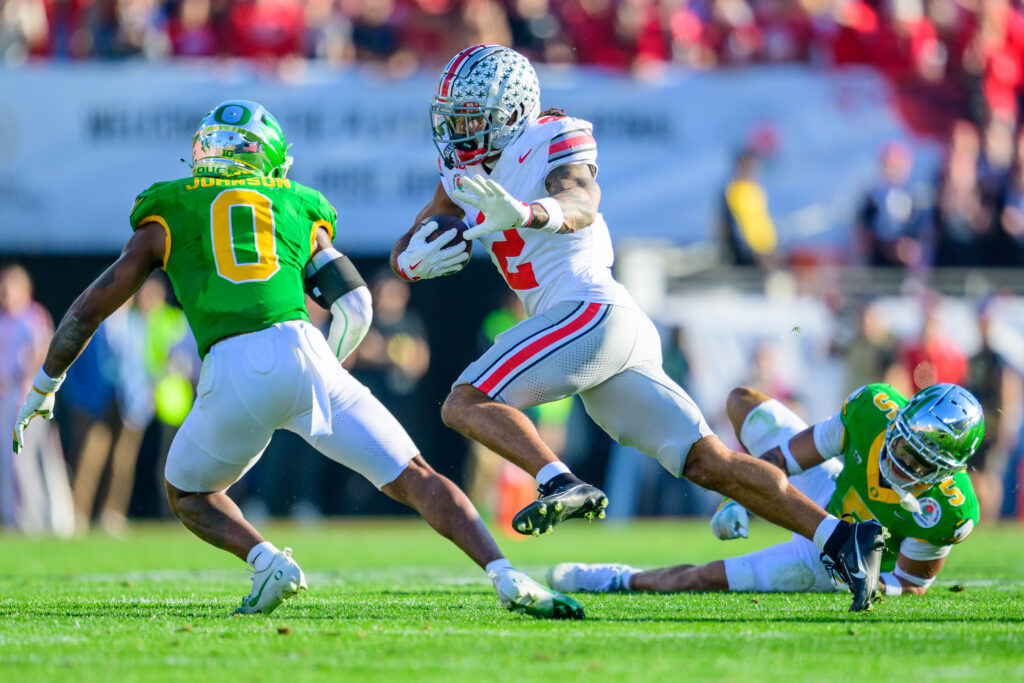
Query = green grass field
x=388 y=600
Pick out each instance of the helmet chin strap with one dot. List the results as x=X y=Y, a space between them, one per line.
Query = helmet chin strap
x=907 y=499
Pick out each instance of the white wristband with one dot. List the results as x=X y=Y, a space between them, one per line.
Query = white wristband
x=46 y=384
x=910 y=578
x=893 y=587
x=791 y=464
x=555 y=215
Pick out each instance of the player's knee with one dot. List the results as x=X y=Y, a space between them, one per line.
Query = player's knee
x=457 y=407
x=739 y=404
x=451 y=411
x=706 y=463
x=174 y=498
x=416 y=475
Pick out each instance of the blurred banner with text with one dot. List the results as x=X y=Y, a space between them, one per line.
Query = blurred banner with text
x=78 y=142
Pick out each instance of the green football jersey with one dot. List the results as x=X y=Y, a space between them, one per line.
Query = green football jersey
x=236 y=248
x=949 y=510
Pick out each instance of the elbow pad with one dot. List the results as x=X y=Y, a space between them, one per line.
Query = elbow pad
x=351 y=316
x=330 y=275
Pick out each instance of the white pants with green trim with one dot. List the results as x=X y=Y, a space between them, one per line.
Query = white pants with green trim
x=282 y=377
x=794 y=566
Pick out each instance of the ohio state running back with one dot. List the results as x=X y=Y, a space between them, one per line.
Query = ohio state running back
x=526 y=182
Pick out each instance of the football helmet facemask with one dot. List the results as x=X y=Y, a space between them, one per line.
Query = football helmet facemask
x=240 y=137
x=932 y=437
x=486 y=96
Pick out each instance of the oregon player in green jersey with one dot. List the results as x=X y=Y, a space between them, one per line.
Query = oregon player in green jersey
x=881 y=457
x=240 y=242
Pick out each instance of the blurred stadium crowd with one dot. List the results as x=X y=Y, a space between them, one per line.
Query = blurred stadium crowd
x=968 y=45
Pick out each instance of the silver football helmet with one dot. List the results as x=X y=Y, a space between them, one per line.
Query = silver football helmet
x=486 y=96
x=932 y=437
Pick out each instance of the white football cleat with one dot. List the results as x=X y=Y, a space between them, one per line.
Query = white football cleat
x=519 y=593
x=574 y=577
x=280 y=580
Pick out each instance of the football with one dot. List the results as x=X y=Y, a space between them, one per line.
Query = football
x=445 y=223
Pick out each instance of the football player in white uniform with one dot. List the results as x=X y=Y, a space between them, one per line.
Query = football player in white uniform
x=526 y=183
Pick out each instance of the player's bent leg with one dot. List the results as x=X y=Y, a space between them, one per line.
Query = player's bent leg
x=215 y=518
x=446 y=508
x=508 y=432
x=220 y=440
x=761 y=488
x=502 y=428
x=368 y=439
x=549 y=356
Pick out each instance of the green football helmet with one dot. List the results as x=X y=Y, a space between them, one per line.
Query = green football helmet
x=240 y=137
x=933 y=436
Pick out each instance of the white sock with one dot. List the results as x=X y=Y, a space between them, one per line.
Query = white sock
x=498 y=565
x=550 y=471
x=824 y=530
x=627 y=578
x=261 y=555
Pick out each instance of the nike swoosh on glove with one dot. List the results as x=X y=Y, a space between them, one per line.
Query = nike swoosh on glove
x=423 y=260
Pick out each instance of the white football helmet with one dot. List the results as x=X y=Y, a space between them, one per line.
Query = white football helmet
x=486 y=96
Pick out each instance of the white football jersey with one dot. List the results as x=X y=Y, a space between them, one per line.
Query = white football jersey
x=543 y=268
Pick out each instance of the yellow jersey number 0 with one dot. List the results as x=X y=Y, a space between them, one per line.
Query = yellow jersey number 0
x=264 y=236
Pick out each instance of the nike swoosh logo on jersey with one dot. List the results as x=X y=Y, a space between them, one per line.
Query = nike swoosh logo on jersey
x=523 y=158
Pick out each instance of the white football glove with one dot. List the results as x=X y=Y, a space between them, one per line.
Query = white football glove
x=501 y=210
x=730 y=520
x=423 y=260
x=38 y=402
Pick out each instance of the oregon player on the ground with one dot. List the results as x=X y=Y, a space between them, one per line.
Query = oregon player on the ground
x=237 y=240
x=946 y=509
x=881 y=457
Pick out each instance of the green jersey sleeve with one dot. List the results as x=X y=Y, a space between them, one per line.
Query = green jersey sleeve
x=147 y=206
x=318 y=211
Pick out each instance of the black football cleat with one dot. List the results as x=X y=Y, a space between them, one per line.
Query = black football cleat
x=858 y=561
x=558 y=503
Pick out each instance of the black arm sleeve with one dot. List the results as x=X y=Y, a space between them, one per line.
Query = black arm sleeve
x=332 y=281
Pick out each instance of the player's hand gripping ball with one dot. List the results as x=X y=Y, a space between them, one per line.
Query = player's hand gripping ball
x=436 y=248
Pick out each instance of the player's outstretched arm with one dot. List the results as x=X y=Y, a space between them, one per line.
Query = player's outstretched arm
x=144 y=253
x=440 y=203
x=575 y=189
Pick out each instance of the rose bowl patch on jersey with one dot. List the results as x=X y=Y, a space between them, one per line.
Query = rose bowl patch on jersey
x=930 y=514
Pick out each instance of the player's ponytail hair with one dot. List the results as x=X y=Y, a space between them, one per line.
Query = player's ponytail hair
x=553 y=111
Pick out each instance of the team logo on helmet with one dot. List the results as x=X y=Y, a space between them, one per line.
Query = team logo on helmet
x=240 y=137
x=486 y=96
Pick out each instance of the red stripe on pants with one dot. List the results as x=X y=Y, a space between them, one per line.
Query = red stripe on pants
x=523 y=355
